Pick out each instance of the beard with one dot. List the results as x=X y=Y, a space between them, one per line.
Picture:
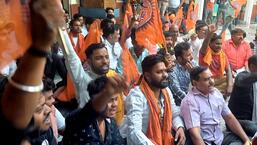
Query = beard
x=160 y=84
x=100 y=71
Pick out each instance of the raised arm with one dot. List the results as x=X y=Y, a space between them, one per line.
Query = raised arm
x=18 y=105
x=206 y=42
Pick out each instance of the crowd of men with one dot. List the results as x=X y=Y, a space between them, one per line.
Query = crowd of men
x=184 y=93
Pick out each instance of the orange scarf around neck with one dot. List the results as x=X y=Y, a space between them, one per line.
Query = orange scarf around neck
x=157 y=134
x=208 y=59
x=77 y=47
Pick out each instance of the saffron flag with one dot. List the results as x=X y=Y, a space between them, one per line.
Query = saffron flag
x=149 y=30
x=129 y=66
x=191 y=15
x=237 y=5
x=15 y=33
x=179 y=17
x=93 y=36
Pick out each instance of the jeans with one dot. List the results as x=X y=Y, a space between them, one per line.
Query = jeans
x=249 y=127
x=231 y=139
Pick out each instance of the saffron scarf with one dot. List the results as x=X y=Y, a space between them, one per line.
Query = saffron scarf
x=158 y=135
x=77 y=47
x=208 y=59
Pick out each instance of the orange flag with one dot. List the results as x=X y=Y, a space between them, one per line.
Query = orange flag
x=77 y=47
x=191 y=15
x=179 y=16
x=15 y=33
x=149 y=31
x=128 y=63
x=93 y=36
x=69 y=92
x=237 y=5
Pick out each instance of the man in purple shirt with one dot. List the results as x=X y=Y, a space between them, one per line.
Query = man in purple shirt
x=202 y=110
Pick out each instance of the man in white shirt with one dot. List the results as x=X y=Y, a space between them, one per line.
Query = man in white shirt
x=111 y=35
x=201 y=31
x=98 y=65
x=143 y=103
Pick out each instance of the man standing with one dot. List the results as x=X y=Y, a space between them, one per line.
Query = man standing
x=202 y=109
x=76 y=38
x=244 y=94
x=151 y=111
x=237 y=50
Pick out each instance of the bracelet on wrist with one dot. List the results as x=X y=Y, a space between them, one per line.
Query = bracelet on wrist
x=26 y=88
x=38 y=52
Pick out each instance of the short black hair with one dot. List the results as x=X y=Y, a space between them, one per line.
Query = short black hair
x=252 y=60
x=180 y=48
x=105 y=23
x=96 y=86
x=77 y=15
x=199 y=26
x=151 y=60
x=110 y=30
x=194 y=73
x=89 y=20
x=214 y=37
x=48 y=84
x=110 y=16
x=236 y=31
x=72 y=21
x=109 y=8
x=91 y=48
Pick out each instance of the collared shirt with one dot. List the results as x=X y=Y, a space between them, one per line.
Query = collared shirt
x=114 y=52
x=138 y=117
x=179 y=82
x=82 y=129
x=205 y=112
x=237 y=56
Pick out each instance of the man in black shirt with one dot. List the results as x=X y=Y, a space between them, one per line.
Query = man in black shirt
x=88 y=126
x=243 y=103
